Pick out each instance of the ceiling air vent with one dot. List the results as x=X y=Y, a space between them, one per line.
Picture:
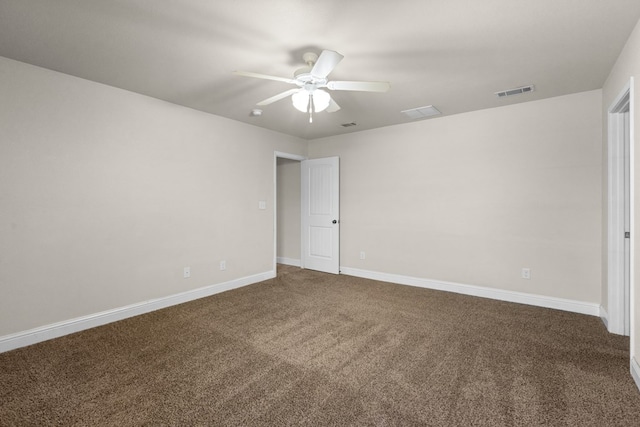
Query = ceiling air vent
x=515 y=91
x=422 y=112
x=348 y=125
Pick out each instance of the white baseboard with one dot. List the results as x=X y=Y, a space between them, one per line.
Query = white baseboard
x=635 y=372
x=288 y=261
x=592 y=309
x=604 y=316
x=55 y=330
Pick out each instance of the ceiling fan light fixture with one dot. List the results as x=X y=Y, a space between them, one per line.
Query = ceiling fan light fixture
x=300 y=100
x=321 y=100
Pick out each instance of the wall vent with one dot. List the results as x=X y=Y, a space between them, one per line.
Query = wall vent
x=348 y=125
x=422 y=112
x=515 y=91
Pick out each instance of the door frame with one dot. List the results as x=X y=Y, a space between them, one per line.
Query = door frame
x=279 y=155
x=619 y=298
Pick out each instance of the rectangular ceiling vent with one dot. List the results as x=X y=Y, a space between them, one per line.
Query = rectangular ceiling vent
x=515 y=91
x=348 y=125
x=422 y=112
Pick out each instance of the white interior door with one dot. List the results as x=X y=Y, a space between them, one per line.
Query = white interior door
x=320 y=188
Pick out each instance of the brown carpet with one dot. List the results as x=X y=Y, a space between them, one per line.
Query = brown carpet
x=309 y=348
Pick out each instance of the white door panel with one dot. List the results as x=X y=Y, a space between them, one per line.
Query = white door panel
x=320 y=214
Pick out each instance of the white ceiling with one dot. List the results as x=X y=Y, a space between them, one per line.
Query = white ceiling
x=453 y=54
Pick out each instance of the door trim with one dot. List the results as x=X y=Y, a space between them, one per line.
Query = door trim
x=617 y=300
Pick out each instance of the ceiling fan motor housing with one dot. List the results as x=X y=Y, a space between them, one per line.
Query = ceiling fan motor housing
x=303 y=75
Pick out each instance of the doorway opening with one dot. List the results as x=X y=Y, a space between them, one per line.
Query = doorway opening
x=287 y=240
x=620 y=213
x=306 y=214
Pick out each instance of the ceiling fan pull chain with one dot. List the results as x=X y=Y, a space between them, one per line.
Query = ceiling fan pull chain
x=311 y=108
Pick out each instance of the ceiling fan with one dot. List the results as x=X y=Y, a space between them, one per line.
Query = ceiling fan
x=309 y=96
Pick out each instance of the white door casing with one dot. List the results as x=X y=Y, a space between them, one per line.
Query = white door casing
x=620 y=214
x=627 y=219
x=320 y=187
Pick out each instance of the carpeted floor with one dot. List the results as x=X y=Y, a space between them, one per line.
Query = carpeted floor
x=309 y=348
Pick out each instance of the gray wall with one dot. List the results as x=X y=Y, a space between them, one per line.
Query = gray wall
x=105 y=195
x=473 y=198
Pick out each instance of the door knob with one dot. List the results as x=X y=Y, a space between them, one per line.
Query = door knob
x=335 y=221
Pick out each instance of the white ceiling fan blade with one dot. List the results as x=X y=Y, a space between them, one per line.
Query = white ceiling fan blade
x=359 y=86
x=263 y=76
x=278 y=97
x=333 y=106
x=326 y=63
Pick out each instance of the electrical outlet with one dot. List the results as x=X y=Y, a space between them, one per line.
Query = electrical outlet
x=526 y=273
x=186 y=272
x=223 y=265
x=362 y=255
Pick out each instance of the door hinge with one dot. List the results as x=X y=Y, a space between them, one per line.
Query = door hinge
x=627 y=234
